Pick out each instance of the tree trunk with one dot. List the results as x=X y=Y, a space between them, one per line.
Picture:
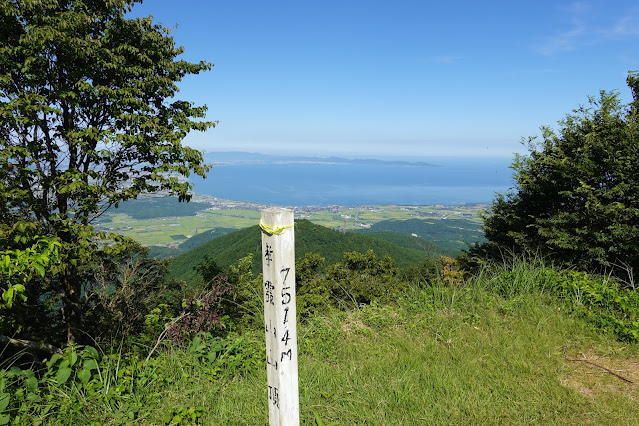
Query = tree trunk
x=72 y=310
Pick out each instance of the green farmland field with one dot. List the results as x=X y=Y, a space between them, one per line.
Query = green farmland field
x=209 y=213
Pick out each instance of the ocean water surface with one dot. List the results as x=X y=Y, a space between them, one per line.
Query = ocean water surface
x=451 y=181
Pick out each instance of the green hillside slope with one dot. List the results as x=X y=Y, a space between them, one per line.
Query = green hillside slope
x=227 y=249
x=154 y=207
x=412 y=242
x=193 y=242
x=449 y=234
x=203 y=237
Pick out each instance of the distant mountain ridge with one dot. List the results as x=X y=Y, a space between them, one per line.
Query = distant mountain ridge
x=238 y=157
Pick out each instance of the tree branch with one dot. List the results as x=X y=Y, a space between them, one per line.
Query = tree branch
x=30 y=344
x=603 y=368
x=167 y=326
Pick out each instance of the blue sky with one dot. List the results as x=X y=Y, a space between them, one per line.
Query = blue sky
x=410 y=79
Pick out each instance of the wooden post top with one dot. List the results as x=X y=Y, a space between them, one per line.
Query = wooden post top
x=277 y=216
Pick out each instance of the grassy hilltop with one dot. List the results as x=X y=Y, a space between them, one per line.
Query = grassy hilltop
x=501 y=349
x=513 y=343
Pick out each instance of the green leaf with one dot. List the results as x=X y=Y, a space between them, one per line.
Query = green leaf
x=92 y=351
x=39 y=269
x=84 y=375
x=73 y=357
x=53 y=360
x=34 y=397
x=31 y=383
x=7 y=296
x=90 y=364
x=4 y=401
x=63 y=375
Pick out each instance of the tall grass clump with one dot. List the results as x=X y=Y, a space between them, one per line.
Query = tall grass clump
x=605 y=302
x=516 y=275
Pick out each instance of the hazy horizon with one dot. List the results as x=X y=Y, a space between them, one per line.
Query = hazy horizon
x=210 y=155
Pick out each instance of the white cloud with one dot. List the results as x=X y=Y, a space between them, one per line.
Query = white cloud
x=626 y=27
x=563 y=41
x=586 y=27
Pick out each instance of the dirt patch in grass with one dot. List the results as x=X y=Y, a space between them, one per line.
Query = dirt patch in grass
x=599 y=376
x=354 y=325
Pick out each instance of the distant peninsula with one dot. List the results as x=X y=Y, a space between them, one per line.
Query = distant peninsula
x=238 y=158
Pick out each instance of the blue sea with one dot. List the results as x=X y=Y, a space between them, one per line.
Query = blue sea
x=451 y=181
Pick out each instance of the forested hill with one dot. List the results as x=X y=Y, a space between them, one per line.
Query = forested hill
x=443 y=248
x=155 y=207
x=193 y=242
x=452 y=235
x=227 y=249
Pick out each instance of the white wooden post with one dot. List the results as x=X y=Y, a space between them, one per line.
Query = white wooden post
x=278 y=266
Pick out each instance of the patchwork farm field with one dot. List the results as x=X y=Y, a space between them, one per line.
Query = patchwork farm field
x=169 y=228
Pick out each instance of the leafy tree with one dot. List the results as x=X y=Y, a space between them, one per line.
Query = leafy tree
x=577 y=192
x=361 y=278
x=208 y=269
x=88 y=119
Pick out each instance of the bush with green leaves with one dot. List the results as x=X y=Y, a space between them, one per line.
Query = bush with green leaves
x=225 y=302
x=359 y=278
x=425 y=272
x=362 y=278
x=71 y=380
x=577 y=193
x=201 y=312
x=32 y=258
x=311 y=286
x=228 y=356
x=602 y=302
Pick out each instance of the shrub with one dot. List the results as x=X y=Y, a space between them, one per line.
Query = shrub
x=601 y=301
x=577 y=193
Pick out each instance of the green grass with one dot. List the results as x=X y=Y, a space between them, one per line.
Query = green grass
x=150 y=232
x=484 y=353
x=440 y=356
